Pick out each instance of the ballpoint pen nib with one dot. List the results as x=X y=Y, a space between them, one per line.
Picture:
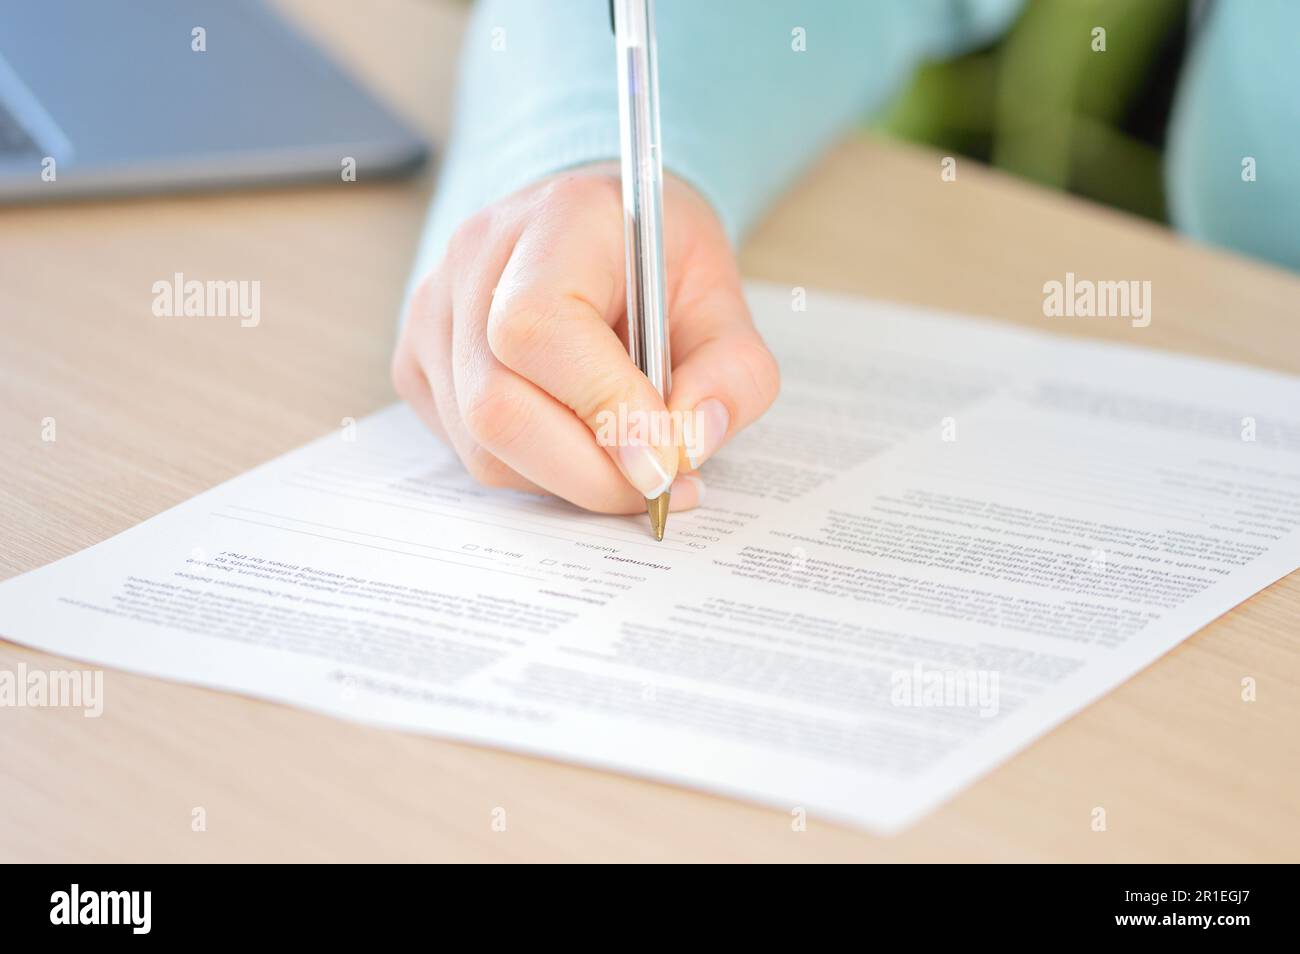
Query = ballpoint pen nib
x=658 y=510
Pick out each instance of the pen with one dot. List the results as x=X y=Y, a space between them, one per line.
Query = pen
x=642 y=173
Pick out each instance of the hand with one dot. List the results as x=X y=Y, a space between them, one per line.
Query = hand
x=514 y=348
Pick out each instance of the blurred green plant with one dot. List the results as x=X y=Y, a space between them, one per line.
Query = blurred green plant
x=1043 y=103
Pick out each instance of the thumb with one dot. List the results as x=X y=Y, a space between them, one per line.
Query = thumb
x=724 y=377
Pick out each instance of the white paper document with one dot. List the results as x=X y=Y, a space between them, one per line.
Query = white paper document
x=945 y=538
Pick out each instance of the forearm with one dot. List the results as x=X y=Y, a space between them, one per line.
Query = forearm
x=1234 y=141
x=751 y=91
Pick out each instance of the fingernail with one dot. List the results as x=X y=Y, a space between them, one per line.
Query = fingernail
x=642 y=467
x=711 y=421
x=688 y=492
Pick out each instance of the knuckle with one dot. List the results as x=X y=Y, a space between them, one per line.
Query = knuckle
x=471 y=233
x=565 y=189
x=574 y=195
x=495 y=417
x=520 y=326
x=404 y=371
x=601 y=395
x=422 y=300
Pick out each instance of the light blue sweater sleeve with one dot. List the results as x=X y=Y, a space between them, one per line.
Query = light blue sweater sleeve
x=751 y=91
x=1233 y=160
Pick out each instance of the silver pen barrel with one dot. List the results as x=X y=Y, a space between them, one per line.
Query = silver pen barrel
x=642 y=168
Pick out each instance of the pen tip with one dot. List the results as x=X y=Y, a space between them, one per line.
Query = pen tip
x=658 y=510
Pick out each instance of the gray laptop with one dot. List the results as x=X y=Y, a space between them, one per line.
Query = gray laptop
x=102 y=96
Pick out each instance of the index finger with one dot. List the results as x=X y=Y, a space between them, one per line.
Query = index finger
x=551 y=322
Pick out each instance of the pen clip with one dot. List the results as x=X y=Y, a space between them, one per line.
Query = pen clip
x=612 y=29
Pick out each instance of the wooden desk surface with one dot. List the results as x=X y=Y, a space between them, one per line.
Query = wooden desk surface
x=150 y=413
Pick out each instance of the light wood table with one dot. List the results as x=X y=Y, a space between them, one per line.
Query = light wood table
x=150 y=413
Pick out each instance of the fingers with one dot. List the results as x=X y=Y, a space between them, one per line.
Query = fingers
x=724 y=377
x=512 y=351
x=550 y=323
x=539 y=438
x=413 y=387
x=563 y=347
x=508 y=416
x=421 y=373
x=687 y=492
